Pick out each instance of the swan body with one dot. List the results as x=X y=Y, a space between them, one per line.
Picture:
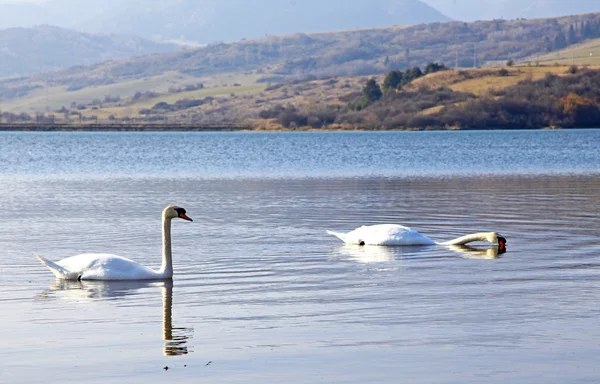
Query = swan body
x=383 y=234
x=394 y=234
x=102 y=266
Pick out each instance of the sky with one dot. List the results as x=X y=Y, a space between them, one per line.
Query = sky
x=22 y=1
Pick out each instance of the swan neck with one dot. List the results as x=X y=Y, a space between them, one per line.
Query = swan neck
x=167 y=261
x=481 y=236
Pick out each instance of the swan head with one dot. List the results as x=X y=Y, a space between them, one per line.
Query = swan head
x=501 y=243
x=173 y=212
x=496 y=238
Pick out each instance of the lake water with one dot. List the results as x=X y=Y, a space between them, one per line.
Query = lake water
x=263 y=294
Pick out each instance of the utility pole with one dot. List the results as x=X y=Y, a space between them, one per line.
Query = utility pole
x=456 y=60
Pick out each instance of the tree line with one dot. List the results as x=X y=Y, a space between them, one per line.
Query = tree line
x=576 y=33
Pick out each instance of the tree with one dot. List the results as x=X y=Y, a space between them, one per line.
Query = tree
x=560 y=41
x=372 y=92
x=573 y=69
x=547 y=44
x=571 y=35
x=583 y=111
x=510 y=63
x=392 y=81
x=434 y=67
x=411 y=74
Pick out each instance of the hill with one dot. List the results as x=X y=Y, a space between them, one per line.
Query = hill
x=250 y=66
x=491 y=98
x=43 y=48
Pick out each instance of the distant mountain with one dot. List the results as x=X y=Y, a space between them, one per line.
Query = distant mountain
x=470 y=10
x=60 y=13
x=42 y=48
x=348 y=53
x=208 y=21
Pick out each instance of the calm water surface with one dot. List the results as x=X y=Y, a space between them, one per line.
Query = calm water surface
x=263 y=294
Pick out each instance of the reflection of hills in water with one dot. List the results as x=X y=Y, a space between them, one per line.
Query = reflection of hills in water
x=175 y=338
x=382 y=254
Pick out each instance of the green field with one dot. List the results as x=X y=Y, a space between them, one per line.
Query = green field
x=587 y=53
x=201 y=93
x=53 y=98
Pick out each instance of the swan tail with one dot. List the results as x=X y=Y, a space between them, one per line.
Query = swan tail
x=57 y=270
x=339 y=235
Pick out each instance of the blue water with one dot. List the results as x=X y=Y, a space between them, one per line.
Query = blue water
x=262 y=293
x=293 y=155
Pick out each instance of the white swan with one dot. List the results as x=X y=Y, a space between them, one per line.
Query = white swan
x=394 y=234
x=101 y=266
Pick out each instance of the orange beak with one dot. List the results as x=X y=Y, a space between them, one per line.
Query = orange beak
x=185 y=217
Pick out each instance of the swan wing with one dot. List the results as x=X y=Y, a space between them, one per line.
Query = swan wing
x=384 y=234
x=59 y=271
x=102 y=266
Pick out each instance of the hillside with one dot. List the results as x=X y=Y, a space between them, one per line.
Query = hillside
x=358 y=52
x=495 y=98
x=44 y=48
x=252 y=65
x=491 y=98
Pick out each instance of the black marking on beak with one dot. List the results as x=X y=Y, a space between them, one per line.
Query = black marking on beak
x=181 y=214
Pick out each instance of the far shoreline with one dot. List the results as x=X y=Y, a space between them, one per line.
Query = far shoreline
x=225 y=127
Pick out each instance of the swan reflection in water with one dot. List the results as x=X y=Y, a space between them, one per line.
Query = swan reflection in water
x=175 y=338
x=382 y=254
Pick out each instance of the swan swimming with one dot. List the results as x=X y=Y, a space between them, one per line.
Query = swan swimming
x=102 y=266
x=394 y=234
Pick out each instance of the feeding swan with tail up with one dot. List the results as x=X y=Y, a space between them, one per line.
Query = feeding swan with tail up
x=101 y=266
x=394 y=234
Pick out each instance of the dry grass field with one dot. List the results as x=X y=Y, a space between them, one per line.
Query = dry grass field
x=481 y=81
